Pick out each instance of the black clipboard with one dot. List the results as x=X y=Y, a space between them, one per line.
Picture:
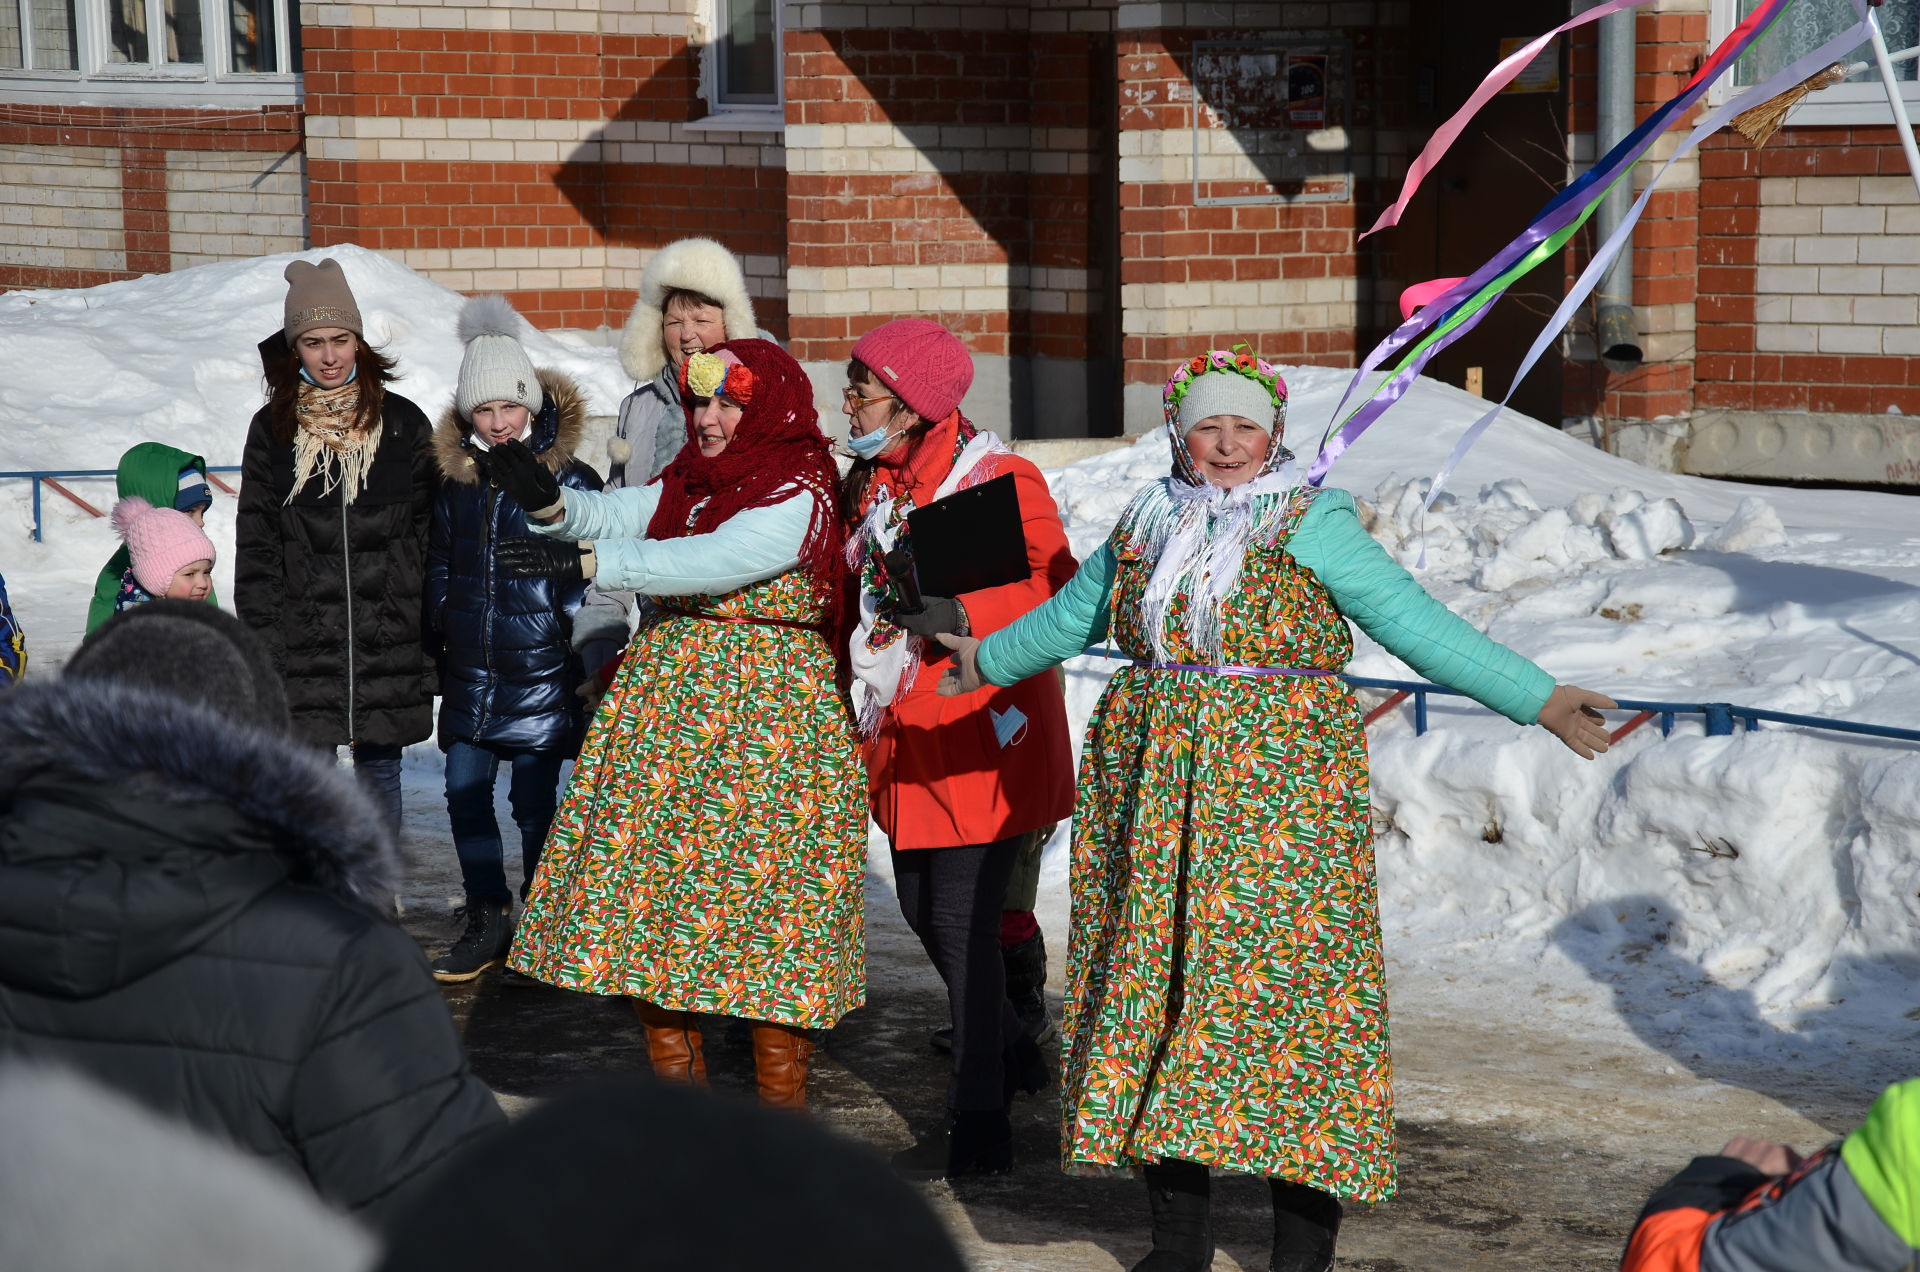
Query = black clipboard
x=970 y=540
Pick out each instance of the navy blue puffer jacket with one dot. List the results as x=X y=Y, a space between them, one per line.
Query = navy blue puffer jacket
x=510 y=669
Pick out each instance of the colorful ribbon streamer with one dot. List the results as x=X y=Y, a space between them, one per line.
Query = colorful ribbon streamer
x=1501 y=76
x=1618 y=242
x=1462 y=307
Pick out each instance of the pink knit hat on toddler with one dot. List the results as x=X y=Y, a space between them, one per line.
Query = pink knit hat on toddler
x=922 y=362
x=160 y=541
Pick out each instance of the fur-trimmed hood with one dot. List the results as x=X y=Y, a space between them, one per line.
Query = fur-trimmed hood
x=555 y=435
x=690 y=264
x=135 y=824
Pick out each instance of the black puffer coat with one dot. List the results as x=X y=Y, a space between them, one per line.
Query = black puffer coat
x=510 y=669
x=191 y=912
x=334 y=589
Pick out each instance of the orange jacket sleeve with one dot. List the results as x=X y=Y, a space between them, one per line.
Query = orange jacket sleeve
x=990 y=609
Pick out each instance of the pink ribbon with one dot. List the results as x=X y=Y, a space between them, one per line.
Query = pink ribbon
x=1503 y=75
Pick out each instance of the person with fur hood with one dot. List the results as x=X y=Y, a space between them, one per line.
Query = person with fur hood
x=338 y=483
x=693 y=295
x=512 y=658
x=196 y=910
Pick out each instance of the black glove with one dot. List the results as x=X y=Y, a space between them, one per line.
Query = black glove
x=541 y=559
x=936 y=614
x=519 y=472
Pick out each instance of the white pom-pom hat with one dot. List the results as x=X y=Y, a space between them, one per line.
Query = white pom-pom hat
x=495 y=368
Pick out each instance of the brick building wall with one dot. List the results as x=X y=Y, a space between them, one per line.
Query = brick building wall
x=942 y=163
x=1282 y=275
x=92 y=194
x=540 y=149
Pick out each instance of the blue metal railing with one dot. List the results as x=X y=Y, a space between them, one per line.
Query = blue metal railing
x=38 y=477
x=1720 y=717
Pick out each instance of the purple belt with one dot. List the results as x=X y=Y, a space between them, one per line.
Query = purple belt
x=1230 y=669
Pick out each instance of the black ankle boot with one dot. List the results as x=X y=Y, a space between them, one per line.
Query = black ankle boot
x=1180 y=1194
x=1025 y=1067
x=970 y=1144
x=1026 y=965
x=484 y=944
x=1306 y=1222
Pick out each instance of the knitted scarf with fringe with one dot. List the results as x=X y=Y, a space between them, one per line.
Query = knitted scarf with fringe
x=327 y=443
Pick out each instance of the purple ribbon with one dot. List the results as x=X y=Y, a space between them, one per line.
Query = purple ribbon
x=1230 y=669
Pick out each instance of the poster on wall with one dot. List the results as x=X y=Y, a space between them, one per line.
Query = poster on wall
x=1271 y=119
x=1541 y=75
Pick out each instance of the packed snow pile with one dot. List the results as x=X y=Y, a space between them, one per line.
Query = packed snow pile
x=1737 y=902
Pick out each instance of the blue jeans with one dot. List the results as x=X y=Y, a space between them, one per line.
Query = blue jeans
x=378 y=770
x=533 y=792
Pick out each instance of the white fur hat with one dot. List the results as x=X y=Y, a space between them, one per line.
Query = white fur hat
x=495 y=367
x=690 y=264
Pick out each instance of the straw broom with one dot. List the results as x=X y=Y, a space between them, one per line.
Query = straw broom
x=1759 y=124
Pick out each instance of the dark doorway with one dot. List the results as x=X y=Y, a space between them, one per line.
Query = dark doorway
x=1509 y=162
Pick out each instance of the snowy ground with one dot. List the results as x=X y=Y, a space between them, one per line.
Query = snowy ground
x=1687 y=937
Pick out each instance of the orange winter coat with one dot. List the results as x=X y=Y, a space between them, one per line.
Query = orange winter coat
x=938 y=776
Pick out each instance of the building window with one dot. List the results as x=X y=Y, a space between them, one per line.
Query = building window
x=149 y=52
x=742 y=75
x=1804 y=28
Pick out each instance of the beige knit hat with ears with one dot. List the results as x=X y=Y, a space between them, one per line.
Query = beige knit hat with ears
x=318 y=296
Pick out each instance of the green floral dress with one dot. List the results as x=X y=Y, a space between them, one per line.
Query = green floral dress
x=710 y=854
x=1223 y=877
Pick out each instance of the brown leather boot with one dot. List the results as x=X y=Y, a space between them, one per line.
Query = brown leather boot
x=673 y=1044
x=780 y=1057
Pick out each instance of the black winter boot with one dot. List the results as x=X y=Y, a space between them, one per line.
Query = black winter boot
x=1180 y=1194
x=1306 y=1223
x=970 y=1144
x=484 y=944
x=1025 y=1067
x=1026 y=965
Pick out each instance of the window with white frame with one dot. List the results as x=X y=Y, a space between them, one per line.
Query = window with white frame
x=155 y=52
x=743 y=73
x=1804 y=28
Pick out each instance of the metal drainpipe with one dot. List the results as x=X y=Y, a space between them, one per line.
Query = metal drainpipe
x=1616 y=335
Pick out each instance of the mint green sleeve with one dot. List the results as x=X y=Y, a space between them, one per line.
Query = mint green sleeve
x=747 y=547
x=603 y=514
x=1385 y=601
x=1051 y=633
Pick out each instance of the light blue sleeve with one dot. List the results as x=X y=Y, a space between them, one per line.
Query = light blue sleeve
x=747 y=547
x=602 y=514
x=1378 y=594
x=1051 y=633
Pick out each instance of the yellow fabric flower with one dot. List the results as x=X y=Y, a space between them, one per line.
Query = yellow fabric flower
x=705 y=374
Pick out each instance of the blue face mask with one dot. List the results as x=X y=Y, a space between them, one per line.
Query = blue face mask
x=869 y=445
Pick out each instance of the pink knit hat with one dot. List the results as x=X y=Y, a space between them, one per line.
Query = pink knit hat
x=160 y=541
x=921 y=361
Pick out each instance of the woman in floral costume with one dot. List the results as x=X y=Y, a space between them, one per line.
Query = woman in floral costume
x=1226 y=999
x=710 y=853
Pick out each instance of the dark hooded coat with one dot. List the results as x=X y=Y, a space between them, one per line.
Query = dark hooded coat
x=509 y=668
x=193 y=911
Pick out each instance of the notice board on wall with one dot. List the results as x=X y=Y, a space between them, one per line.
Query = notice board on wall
x=1272 y=120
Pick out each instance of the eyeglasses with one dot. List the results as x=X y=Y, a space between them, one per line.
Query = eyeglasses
x=854 y=400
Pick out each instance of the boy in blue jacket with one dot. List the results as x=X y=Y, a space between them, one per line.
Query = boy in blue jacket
x=511 y=662
x=13 y=643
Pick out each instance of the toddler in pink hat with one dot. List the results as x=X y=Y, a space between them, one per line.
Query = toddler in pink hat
x=172 y=556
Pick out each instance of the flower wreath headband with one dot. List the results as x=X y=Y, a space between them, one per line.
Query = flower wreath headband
x=708 y=375
x=1257 y=369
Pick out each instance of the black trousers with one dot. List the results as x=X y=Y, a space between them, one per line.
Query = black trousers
x=951 y=899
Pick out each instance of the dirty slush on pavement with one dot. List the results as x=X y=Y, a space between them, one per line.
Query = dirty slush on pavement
x=1479 y=1196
